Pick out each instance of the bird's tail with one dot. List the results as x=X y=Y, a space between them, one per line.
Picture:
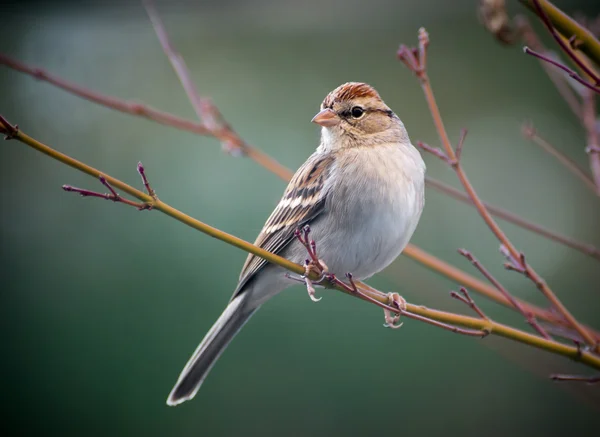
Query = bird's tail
x=210 y=349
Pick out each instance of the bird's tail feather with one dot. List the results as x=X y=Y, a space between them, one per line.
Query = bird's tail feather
x=210 y=349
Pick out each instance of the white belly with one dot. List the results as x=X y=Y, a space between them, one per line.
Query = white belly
x=370 y=215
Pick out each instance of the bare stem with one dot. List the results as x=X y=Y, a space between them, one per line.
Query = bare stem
x=531 y=134
x=515 y=303
x=563 y=67
x=466 y=298
x=565 y=47
x=559 y=80
x=421 y=73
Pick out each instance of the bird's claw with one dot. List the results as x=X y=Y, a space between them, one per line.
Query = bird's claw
x=391 y=321
x=318 y=267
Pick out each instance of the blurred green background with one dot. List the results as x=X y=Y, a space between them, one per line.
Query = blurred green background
x=102 y=305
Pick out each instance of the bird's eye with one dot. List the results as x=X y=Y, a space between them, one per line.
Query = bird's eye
x=357 y=112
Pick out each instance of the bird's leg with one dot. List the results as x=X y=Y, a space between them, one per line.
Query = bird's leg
x=312 y=264
x=395 y=300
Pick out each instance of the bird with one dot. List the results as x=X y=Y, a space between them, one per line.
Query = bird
x=362 y=194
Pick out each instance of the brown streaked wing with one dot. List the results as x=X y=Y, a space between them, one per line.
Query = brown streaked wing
x=302 y=201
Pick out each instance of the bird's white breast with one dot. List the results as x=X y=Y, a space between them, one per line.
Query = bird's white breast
x=372 y=209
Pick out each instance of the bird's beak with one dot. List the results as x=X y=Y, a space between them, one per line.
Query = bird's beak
x=326 y=118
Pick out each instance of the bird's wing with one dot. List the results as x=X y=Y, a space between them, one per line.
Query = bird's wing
x=302 y=201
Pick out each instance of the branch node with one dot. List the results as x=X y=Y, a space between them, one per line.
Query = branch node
x=466 y=298
x=113 y=195
x=10 y=131
x=438 y=153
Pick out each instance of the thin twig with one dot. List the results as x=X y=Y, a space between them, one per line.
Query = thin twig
x=582 y=247
x=576 y=378
x=205 y=109
x=565 y=47
x=468 y=300
x=421 y=73
x=114 y=196
x=485 y=272
x=531 y=134
x=142 y=110
x=559 y=80
x=563 y=67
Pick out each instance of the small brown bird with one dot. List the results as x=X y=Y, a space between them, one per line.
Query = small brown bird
x=361 y=192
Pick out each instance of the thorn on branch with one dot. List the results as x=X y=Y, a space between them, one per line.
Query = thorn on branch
x=113 y=195
x=576 y=378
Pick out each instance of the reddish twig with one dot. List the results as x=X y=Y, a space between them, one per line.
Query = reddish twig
x=531 y=134
x=559 y=80
x=515 y=303
x=582 y=247
x=466 y=298
x=576 y=378
x=565 y=47
x=205 y=109
x=113 y=195
x=142 y=110
x=405 y=55
x=563 y=67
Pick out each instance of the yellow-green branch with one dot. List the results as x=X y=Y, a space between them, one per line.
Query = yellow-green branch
x=587 y=43
x=382 y=299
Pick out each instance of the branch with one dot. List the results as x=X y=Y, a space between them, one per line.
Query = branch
x=559 y=80
x=366 y=292
x=531 y=134
x=587 y=43
x=563 y=67
x=418 y=66
x=564 y=45
x=141 y=110
x=582 y=247
x=515 y=303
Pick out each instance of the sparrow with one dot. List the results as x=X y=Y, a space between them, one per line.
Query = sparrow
x=362 y=194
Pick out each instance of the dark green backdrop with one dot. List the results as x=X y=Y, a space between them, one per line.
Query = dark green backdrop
x=102 y=305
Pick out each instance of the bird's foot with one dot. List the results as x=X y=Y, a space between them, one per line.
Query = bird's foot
x=397 y=301
x=312 y=264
